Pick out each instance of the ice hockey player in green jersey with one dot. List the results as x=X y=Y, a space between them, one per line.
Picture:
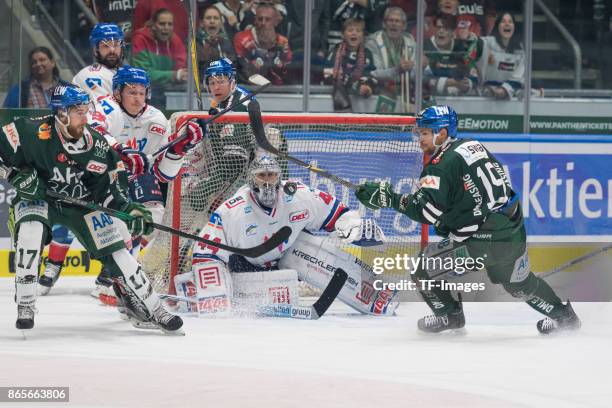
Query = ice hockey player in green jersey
x=465 y=194
x=63 y=154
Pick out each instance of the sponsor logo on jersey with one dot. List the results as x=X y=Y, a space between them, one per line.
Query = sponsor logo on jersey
x=233 y=202
x=473 y=8
x=157 y=129
x=248 y=209
x=101 y=149
x=44 y=131
x=299 y=216
x=430 y=181
x=251 y=230
x=96 y=167
x=472 y=188
x=209 y=276
x=472 y=151
x=326 y=197
x=215 y=219
x=12 y=135
x=288 y=198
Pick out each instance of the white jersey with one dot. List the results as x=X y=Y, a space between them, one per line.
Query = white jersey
x=498 y=66
x=146 y=133
x=96 y=80
x=241 y=222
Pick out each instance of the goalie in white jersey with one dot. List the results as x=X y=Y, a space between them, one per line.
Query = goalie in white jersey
x=131 y=125
x=250 y=217
x=108 y=45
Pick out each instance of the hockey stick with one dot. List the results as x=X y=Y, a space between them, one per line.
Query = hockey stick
x=256 y=79
x=576 y=261
x=275 y=240
x=315 y=311
x=262 y=141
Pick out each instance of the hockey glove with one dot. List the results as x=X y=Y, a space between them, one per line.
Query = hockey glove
x=192 y=134
x=140 y=220
x=357 y=231
x=136 y=162
x=376 y=195
x=28 y=185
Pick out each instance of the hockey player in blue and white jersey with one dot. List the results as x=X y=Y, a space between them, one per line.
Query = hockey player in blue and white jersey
x=108 y=45
x=130 y=123
x=254 y=213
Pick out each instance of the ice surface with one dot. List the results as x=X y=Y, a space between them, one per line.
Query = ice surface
x=341 y=360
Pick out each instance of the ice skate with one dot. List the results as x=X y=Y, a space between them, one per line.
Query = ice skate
x=569 y=321
x=25 y=317
x=451 y=321
x=49 y=277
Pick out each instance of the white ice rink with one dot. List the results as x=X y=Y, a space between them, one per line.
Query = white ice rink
x=342 y=360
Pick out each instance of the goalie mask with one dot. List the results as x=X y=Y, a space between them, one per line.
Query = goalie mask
x=264 y=180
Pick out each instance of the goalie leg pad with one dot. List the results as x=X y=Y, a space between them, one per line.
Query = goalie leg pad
x=272 y=287
x=316 y=264
x=210 y=285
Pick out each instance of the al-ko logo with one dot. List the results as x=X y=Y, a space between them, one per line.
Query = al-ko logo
x=81 y=260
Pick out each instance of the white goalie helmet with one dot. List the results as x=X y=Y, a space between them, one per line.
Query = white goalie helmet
x=264 y=180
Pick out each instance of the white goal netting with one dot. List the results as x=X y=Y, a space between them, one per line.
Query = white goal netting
x=354 y=147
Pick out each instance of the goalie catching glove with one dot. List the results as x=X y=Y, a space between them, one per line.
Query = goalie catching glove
x=28 y=185
x=140 y=219
x=350 y=228
x=190 y=134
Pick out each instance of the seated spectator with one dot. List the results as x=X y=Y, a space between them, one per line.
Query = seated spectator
x=393 y=51
x=446 y=72
x=261 y=50
x=213 y=43
x=157 y=49
x=502 y=65
x=109 y=11
x=349 y=69
x=342 y=10
x=146 y=9
x=35 y=91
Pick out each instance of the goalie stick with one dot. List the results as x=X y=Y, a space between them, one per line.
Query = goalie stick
x=256 y=79
x=275 y=240
x=262 y=141
x=317 y=309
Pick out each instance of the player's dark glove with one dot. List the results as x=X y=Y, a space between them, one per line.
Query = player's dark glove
x=136 y=162
x=140 y=221
x=376 y=195
x=28 y=184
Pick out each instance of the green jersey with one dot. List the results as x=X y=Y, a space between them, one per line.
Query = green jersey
x=87 y=169
x=458 y=189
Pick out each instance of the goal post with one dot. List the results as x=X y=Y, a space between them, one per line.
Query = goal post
x=355 y=147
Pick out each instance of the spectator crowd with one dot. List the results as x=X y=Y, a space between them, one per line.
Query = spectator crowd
x=364 y=49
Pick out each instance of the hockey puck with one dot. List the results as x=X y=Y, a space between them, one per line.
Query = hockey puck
x=290 y=188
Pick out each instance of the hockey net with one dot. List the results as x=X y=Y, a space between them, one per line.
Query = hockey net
x=354 y=147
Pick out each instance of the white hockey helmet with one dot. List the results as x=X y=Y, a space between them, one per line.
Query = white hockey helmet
x=264 y=180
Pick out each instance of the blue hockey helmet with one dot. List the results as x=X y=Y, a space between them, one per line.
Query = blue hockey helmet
x=131 y=75
x=65 y=96
x=222 y=67
x=105 y=32
x=437 y=118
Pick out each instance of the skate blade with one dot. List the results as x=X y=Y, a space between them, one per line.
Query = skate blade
x=452 y=332
x=43 y=290
x=179 y=332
